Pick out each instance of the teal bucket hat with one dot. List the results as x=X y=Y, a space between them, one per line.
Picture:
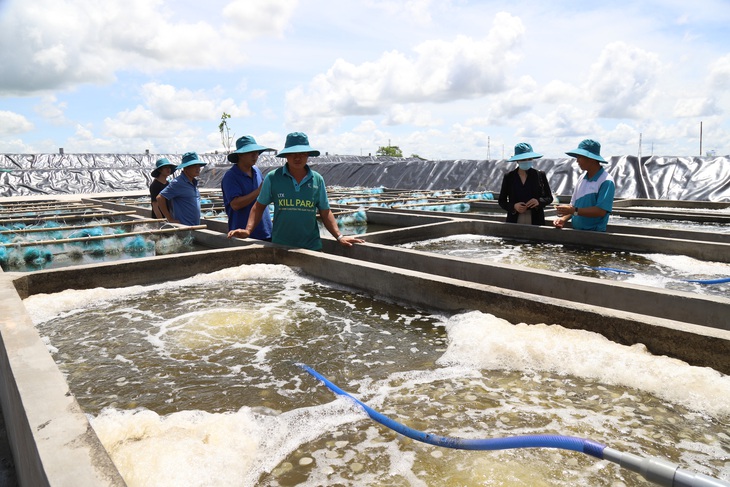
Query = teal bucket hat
x=191 y=159
x=162 y=162
x=589 y=148
x=297 y=142
x=523 y=151
x=246 y=144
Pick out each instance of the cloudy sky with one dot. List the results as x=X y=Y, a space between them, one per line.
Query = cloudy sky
x=443 y=79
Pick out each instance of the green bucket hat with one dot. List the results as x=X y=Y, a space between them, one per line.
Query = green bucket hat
x=191 y=159
x=162 y=162
x=589 y=148
x=246 y=144
x=523 y=151
x=297 y=142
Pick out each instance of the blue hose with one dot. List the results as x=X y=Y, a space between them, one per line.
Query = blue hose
x=709 y=281
x=720 y=280
x=655 y=470
x=611 y=269
x=532 y=441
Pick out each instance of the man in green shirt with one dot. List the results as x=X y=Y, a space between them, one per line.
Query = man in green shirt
x=298 y=194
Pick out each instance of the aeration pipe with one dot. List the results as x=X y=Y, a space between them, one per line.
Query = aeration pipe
x=656 y=470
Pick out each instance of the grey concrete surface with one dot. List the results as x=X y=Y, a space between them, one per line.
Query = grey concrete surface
x=52 y=443
x=51 y=440
x=7 y=465
x=675 y=305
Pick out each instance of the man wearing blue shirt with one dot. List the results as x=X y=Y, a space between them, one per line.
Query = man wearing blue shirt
x=241 y=185
x=592 y=200
x=183 y=192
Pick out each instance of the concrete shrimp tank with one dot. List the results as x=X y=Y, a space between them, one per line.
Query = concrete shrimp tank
x=184 y=368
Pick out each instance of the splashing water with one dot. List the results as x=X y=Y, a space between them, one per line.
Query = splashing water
x=195 y=382
x=656 y=270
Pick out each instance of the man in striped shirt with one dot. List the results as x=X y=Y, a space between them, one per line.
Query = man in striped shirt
x=592 y=200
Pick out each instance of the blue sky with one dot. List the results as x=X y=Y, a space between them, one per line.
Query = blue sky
x=444 y=79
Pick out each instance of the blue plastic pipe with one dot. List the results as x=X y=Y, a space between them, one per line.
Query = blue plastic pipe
x=535 y=441
x=709 y=281
x=611 y=269
x=720 y=280
x=656 y=470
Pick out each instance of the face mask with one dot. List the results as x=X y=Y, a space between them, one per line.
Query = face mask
x=525 y=165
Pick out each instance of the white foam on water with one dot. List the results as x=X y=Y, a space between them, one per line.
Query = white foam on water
x=691 y=267
x=649 y=280
x=43 y=307
x=197 y=448
x=469 y=246
x=237 y=448
x=465 y=238
x=484 y=341
x=220 y=327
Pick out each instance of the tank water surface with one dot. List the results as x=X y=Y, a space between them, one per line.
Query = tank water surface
x=657 y=270
x=194 y=383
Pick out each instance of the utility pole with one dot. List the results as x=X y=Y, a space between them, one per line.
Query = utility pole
x=700 y=139
x=489 y=154
x=639 y=147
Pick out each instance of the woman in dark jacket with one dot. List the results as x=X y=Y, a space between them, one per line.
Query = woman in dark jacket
x=163 y=169
x=525 y=191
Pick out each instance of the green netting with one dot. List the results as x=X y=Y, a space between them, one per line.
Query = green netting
x=138 y=245
x=87 y=232
x=357 y=218
x=36 y=256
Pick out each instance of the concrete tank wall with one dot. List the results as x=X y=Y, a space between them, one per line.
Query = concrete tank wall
x=53 y=444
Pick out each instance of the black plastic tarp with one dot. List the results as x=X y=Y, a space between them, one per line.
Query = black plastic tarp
x=655 y=177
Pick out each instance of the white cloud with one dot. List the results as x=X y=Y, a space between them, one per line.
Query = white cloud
x=417 y=116
x=136 y=123
x=141 y=129
x=623 y=135
x=170 y=103
x=354 y=142
x=258 y=94
x=84 y=140
x=436 y=78
x=720 y=73
x=458 y=141
x=248 y=19
x=57 y=45
x=366 y=126
x=83 y=133
x=440 y=71
x=695 y=107
x=563 y=121
x=15 y=146
x=559 y=91
x=52 y=110
x=418 y=11
x=522 y=97
x=13 y=123
x=622 y=78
